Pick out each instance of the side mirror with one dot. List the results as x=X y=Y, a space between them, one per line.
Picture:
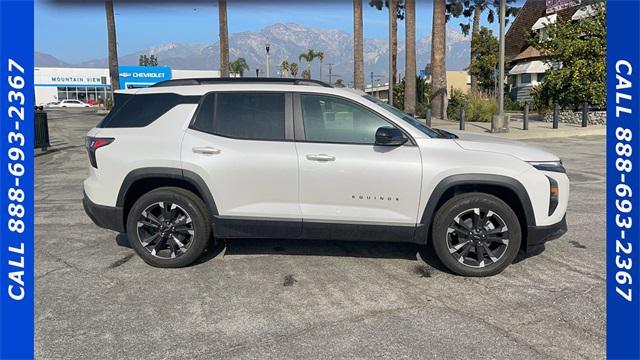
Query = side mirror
x=390 y=136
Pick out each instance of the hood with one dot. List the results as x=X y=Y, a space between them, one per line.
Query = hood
x=495 y=144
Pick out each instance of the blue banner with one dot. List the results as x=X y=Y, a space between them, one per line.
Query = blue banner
x=16 y=179
x=623 y=183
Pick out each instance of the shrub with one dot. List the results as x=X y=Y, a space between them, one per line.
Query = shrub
x=479 y=109
x=456 y=101
x=512 y=105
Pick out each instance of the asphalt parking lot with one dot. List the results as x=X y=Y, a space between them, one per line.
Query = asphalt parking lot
x=277 y=299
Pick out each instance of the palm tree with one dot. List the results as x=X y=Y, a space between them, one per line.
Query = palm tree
x=293 y=68
x=358 y=46
x=396 y=6
x=284 y=66
x=475 y=8
x=238 y=66
x=113 y=48
x=306 y=74
x=320 y=56
x=410 y=59
x=438 y=65
x=224 y=38
x=308 y=57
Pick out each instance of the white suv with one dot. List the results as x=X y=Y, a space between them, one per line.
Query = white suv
x=186 y=161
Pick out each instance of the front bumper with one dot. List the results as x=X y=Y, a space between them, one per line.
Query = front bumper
x=538 y=235
x=107 y=217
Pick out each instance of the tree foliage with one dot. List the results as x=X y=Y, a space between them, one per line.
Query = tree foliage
x=379 y=4
x=486 y=49
x=150 y=60
x=293 y=69
x=238 y=66
x=467 y=9
x=576 y=52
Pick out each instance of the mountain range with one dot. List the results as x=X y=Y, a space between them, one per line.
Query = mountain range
x=287 y=41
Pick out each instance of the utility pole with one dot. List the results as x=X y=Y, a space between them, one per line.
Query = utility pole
x=501 y=118
x=391 y=15
x=330 y=72
x=268 y=65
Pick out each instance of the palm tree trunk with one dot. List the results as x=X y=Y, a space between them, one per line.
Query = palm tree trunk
x=394 y=41
x=113 y=47
x=358 y=46
x=410 y=58
x=224 y=38
x=438 y=65
x=474 y=35
x=320 y=69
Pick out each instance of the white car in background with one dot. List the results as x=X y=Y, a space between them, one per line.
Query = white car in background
x=68 y=103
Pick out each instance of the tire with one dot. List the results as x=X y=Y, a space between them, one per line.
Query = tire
x=469 y=234
x=185 y=220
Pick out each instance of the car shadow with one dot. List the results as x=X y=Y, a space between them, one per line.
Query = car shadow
x=355 y=249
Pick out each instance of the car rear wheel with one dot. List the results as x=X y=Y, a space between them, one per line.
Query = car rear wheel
x=169 y=227
x=476 y=234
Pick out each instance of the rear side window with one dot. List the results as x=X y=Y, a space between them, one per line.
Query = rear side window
x=142 y=110
x=250 y=116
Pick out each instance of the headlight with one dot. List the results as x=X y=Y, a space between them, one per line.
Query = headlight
x=554 y=166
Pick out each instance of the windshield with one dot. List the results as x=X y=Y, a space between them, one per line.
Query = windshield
x=408 y=119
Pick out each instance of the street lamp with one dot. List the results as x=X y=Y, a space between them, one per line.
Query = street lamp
x=267 y=47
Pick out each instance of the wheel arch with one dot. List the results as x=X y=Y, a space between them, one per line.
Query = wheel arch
x=507 y=189
x=141 y=181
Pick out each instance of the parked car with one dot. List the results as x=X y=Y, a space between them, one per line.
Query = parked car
x=185 y=162
x=68 y=103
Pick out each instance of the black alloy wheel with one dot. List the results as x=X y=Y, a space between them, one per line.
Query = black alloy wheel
x=165 y=230
x=476 y=234
x=169 y=227
x=477 y=237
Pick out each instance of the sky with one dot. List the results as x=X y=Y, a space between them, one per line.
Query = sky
x=75 y=31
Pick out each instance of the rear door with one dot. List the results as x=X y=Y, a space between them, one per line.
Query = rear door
x=241 y=144
x=346 y=179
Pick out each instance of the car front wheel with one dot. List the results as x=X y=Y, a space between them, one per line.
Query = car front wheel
x=169 y=227
x=476 y=234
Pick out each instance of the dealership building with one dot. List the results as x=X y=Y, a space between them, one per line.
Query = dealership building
x=93 y=85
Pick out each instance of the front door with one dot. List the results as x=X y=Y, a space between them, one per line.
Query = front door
x=346 y=180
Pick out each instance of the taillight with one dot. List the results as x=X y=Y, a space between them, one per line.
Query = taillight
x=93 y=144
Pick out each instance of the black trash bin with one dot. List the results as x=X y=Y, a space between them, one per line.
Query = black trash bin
x=41 y=130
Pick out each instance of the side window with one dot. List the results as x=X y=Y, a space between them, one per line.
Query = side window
x=249 y=116
x=330 y=119
x=142 y=110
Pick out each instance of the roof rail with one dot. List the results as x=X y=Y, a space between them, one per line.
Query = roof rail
x=214 y=81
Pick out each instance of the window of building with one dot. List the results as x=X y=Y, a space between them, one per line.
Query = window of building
x=525 y=78
x=541 y=77
x=330 y=119
x=250 y=116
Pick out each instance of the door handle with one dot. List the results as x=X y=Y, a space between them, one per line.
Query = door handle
x=206 y=150
x=320 y=157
